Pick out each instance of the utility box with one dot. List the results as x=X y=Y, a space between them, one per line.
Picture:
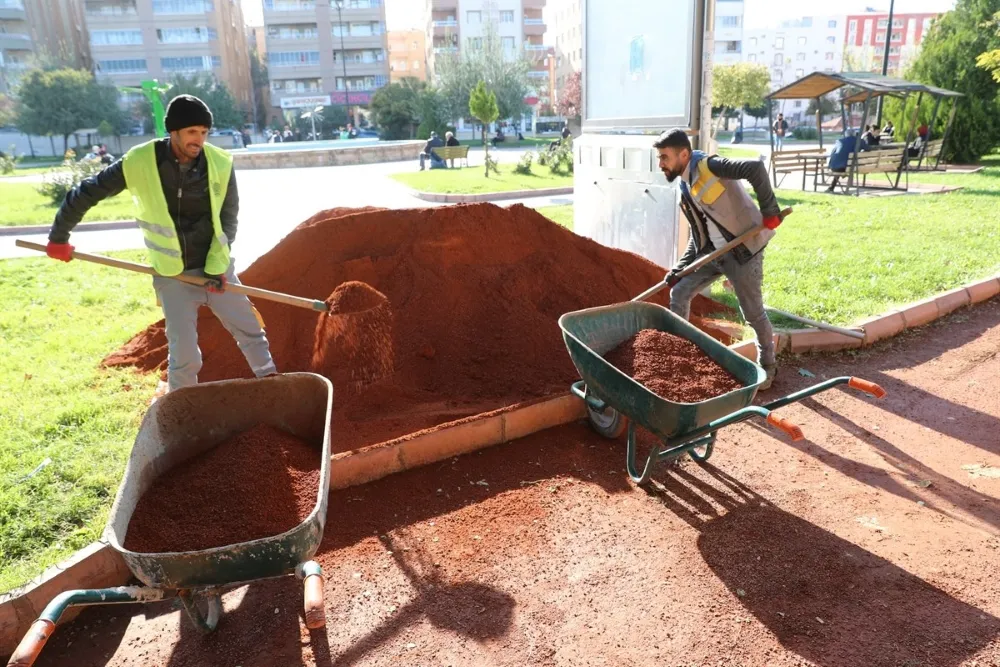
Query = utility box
x=646 y=68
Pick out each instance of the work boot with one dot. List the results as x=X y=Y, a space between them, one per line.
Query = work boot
x=771 y=370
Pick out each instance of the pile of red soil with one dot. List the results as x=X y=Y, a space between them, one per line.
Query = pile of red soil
x=475 y=292
x=259 y=483
x=671 y=367
x=353 y=343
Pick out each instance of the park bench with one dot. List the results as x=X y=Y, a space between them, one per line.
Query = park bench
x=453 y=153
x=787 y=162
x=880 y=160
x=929 y=158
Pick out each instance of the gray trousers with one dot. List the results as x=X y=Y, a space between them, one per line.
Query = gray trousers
x=747 y=280
x=180 y=303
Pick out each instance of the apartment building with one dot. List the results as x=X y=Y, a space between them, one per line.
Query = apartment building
x=136 y=40
x=16 y=43
x=728 y=32
x=325 y=52
x=564 y=22
x=796 y=48
x=456 y=25
x=865 y=35
x=407 y=54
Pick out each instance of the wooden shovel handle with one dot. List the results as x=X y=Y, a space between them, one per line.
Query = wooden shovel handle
x=310 y=304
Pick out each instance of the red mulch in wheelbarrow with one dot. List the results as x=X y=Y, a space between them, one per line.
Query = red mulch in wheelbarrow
x=671 y=367
x=258 y=483
x=475 y=293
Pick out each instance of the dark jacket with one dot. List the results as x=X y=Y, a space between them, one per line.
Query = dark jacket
x=187 y=201
x=840 y=156
x=454 y=142
x=432 y=143
x=749 y=170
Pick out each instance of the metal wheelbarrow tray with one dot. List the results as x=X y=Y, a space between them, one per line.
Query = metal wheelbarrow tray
x=613 y=398
x=178 y=427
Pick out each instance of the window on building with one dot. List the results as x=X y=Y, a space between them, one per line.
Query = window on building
x=507 y=16
x=190 y=63
x=126 y=66
x=182 y=6
x=753 y=41
x=292 y=58
x=777 y=74
x=799 y=73
x=798 y=104
x=897 y=37
x=893 y=50
x=476 y=43
x=474 y=16
x=183 y=35
x=897 y=23
x=829 y=55
x=832 y=23
x=752 y=57
x=882 y=23
x=853 y=25
x=294 y=31
x=729 y=21
x=831 y=40
x=112 y=37
x=800 y=56
x=880 y=38
x=508 y=43
x=416 y=64
x=802 y=41
x=779 y=59
x=779 y=42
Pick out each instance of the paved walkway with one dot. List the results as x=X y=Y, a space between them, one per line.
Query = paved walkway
x=274 y=201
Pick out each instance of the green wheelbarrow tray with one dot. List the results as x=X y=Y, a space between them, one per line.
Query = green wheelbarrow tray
x=179 y=426
x=613 y=398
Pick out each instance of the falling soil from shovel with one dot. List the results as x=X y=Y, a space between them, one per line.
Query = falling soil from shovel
x=353 y=341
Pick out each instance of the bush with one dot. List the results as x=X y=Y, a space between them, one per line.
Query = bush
x=559 y=158
x=57 y=182
x=491 y=164
x=8 y=162
x=805 y=133
x=524 y=164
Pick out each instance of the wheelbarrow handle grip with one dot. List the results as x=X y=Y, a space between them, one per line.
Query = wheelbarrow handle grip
x=867 y=387
x=32 y=644
x=777 y=421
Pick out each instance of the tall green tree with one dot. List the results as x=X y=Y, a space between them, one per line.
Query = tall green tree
x=738 y=85
x=259 y=81
x=947 y=59
x=8 y=114
x=483 y=106
x=60 y=102
x=990 y=60
x=503 y=71
x=395 y=109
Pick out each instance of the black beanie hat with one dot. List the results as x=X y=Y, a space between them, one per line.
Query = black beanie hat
x=185 y=111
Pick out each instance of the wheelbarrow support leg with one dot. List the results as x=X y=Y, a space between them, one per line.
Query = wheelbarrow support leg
x=205 y=622
x=312 y=583
x=33 y=642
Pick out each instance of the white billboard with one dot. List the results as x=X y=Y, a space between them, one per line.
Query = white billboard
x=305 y=102
x=641 y=63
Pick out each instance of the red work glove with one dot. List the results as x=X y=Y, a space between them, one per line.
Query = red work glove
x=672 y=278
x=61 y=251
x=216 y=284
x=772 y=221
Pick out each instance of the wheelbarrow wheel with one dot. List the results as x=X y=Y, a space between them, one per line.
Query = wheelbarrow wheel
x=610 y=423
x=702 y=452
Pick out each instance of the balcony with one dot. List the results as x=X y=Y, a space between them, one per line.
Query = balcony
x=534 y=26
x=533 y=4
x=439 y=50
x=446 y=23
x=15 y=42
x=443 y=4
x=538 y=74
x=12 y=10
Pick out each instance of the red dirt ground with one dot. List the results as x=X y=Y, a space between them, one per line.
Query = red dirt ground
x=875 y=542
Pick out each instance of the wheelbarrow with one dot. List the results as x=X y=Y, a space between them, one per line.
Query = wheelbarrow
x=177 y=427
x=615 y=401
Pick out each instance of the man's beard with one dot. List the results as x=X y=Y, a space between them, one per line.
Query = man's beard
x=671 y=175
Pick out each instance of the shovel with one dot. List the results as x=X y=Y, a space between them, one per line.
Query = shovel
x=288 y=299
x=714 y=255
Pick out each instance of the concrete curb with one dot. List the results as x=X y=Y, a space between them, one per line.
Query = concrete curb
x=491 y=196
x=892 y=323
x=98 y=565
x=82 y=227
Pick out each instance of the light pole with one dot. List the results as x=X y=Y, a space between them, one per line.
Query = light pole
x=311 y=115
x=885 y=58
x=343 y=56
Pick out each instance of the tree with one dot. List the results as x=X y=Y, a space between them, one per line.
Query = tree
x=7 y=112
x=827 y=105
x=954 y=42
x=395 y=110
x=259 y=81
x=990 y=60
x=506 y=75
x=738 y=85
x=569 y=105
x=60 y=102
x=483 y=106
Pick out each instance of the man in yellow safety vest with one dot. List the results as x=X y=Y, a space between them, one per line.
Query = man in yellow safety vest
x=186 y=202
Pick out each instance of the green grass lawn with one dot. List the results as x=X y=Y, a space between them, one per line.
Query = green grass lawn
x=728 y=151
x=841 y=259
x=22 y=205
x=57 y=322
x=470 y=180
x=31 y=170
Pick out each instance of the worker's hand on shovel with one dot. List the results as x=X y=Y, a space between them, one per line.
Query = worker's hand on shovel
x=216 y=284
x=673 y=277
x=61 y=251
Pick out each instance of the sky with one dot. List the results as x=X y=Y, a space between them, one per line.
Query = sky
x=408 y=14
